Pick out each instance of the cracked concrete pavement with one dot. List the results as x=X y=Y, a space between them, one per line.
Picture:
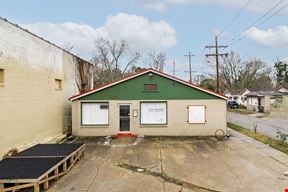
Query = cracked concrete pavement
x=178 y=165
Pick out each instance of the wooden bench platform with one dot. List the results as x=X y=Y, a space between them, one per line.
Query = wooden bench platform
x=35 y=167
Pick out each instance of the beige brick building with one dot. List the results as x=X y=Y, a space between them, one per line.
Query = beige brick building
x=36 y=80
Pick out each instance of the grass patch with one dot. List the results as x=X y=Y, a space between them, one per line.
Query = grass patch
x=241 y=111
x=260 y=137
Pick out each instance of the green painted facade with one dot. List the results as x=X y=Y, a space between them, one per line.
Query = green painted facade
x=133 y=89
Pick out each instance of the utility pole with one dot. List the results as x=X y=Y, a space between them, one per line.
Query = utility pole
x=174 y=70
x=190 y=67
x=216 y=55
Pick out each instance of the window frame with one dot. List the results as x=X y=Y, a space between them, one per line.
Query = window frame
x=89 y=125
x=154 y=85
x=58 y=82
x=140 y=113
x=2 y=77
x=188 y=114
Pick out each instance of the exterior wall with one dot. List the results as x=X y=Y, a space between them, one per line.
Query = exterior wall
x=280 y=108
x=252 y=103
x=177 y=119
x=32 y=111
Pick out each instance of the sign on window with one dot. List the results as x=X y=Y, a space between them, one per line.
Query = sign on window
x=95 y=113
x=196 y=114
x=153 y=113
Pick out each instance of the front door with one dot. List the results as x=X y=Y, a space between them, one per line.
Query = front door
x=124 y=118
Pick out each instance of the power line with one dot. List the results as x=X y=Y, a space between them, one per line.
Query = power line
x=235 y=17
x=267 y=19
x=238 y=37
x=269 y=11
x=276 y=13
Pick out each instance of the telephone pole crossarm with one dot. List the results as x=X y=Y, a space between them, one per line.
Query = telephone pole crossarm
x=213 y=46
x=217 y=55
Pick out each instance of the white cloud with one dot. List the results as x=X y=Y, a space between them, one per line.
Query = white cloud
x=158 y=6
x=277 y=37
x=255 y=6
x=140 y=32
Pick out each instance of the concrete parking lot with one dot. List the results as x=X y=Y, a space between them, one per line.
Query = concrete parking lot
x=178 y=164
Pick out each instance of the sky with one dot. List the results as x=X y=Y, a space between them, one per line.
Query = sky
x=252 y=28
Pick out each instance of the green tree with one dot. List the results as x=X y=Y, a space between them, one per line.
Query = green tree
x=281 y=73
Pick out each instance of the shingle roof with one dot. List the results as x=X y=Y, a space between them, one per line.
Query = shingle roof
x=264 y=93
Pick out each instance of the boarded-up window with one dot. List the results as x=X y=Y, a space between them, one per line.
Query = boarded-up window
x=2 y=77
x=153 y=113
x=58 y=84
x=196 y=114
x=150 y=87
x=94 y=113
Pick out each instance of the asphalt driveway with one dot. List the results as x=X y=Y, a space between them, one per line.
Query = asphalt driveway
x=178 y=164
x=266 y=125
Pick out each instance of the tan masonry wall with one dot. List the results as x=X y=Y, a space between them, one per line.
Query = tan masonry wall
x=31 y=110
x=177 y=119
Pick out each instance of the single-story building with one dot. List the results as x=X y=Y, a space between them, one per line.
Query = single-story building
x=149 y=103
x=263 y=101
x=234 y=95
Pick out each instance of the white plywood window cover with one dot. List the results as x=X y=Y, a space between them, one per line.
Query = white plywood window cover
x=196 y=114
x=153 y=113
x=95 y=113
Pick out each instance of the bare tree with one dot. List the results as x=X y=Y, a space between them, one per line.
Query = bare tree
x=230 y=68
x=156 y=60
x=255 y=74
x=83 y=75
x=112 y=60
x=67 y=46
x=237 y=75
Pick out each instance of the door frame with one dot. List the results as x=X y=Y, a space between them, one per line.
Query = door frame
x=118 y=118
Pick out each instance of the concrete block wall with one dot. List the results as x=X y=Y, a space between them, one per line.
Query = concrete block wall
x=32 y=110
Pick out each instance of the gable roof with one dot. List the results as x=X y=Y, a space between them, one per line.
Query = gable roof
x=264 y=93
x=41 y=38
x=145 y=72
x=231 y=92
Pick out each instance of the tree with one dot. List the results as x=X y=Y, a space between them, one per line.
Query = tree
x=229 y=71
x=255 y=74
x=281 y=73
x=112 y=60
x=156 y=60
x=209 y=83
x=83 y=70
x=83 y=75
x=237 y=74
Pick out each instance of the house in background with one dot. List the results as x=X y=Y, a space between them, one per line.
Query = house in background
x=234 y=95
x=149 y=103
x=36 y=80
x=269 y=101
x=283 y=90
